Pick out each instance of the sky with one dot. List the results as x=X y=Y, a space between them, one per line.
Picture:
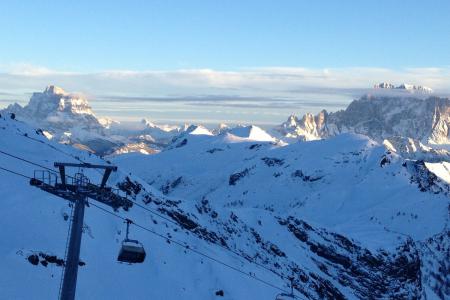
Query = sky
x=241 y=57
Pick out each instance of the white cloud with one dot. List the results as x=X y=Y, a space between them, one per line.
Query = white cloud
x=271 y=82
x=29 y=70
x=256 y=90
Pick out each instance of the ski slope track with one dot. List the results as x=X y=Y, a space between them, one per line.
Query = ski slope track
x=227 y=217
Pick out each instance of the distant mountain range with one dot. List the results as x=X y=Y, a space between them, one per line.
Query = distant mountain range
x=68 y=118
x=400 y=119
x=423 y=122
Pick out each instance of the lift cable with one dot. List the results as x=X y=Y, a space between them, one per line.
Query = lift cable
x=175 y=223
x=52 y=147
x=162 y=217
x=194 y=250
x=27 y=161
x=168 y=220
x=33 y=163
x=187 y=247
x=221 y=246
x=13 y=172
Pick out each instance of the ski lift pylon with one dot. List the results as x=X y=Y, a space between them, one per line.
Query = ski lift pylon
x=131 y=251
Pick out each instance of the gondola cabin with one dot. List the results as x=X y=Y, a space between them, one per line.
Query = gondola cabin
x=131 y=252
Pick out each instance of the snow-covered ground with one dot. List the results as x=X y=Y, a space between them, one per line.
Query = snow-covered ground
x=337 y=183
x=33 y=222
x=346 y=217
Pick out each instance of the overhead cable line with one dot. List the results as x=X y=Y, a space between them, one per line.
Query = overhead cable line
x=168 y=220
x=185 y=246
x=219 y=245
x=25 y=160
x=13 y=172
x=193 y=250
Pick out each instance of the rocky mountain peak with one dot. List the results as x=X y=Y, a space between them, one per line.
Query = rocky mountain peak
x=405 y=87
x=58 y=112
x=55 y=100
x=379 y=117
x=198 y=130
x=55 y=90
x=309 y=127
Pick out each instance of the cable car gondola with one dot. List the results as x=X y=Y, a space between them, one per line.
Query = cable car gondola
x=131 y=251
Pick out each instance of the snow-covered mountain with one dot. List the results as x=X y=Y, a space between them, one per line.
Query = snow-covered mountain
x=344 y=213
x=252 y=133
x=346 y=217
x=379 y=117
x=56 y=109
x=68 y=118
x=404 y=86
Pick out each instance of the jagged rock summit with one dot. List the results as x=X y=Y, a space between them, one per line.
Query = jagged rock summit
x=55 y=108
x=68 y=118
x=379 y=117
x=308 y=128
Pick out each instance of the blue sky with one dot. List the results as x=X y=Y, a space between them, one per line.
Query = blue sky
x=224 y=35
x=224 y=49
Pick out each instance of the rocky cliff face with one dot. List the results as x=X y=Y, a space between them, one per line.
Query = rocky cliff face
x=308 y=128
x=57 y=110
x=379 y=118
x=68 y=118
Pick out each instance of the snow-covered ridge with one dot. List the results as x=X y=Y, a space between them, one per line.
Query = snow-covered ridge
x=250 y=133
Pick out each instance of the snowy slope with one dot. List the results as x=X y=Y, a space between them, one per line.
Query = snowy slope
x=34 y=222
x=251 y=133
x=345 y=217
x=350 y=186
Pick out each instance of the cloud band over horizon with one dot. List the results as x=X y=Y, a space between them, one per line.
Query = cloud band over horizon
x=278 y=90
